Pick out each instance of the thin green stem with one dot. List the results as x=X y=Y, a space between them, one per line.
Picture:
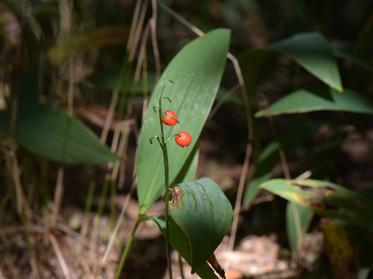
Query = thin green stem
x=127 y=248
x=166 y=183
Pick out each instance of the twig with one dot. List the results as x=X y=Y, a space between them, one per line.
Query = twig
x=140 y=59
x=133 y=23
x=117 y=226
x=153 y=31
x=109 y=115
x=137 y=31
x=60 y=258
x=57 y=196
x=249 y=147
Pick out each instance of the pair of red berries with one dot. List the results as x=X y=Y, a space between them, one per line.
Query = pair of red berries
x=182 y=138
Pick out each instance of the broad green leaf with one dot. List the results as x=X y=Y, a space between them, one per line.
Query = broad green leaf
x=298 y=219
x=189 y=170
x=313 y=52
x=195 y=72
x=325 y=198
x=53 y=134
x=302 y=101
x=56 y=136
x=310 y=50
x=180 y=242
x=204 y=214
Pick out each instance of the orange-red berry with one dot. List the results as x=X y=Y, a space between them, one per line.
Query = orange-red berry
x=169 y=118
x=183 y=138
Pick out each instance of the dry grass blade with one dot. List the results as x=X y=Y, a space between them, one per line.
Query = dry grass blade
x=116 y=229
x=60 y=258
x=153 y=30
x=137 y=32
x=57 y=196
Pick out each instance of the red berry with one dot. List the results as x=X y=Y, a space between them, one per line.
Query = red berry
x=169 y=118
x=183 y=139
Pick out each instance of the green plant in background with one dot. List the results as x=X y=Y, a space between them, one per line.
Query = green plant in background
x=312 y=52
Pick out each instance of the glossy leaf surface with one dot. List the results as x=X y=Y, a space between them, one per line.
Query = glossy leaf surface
x=195 y=73
x=302 y=101
x=203 y=213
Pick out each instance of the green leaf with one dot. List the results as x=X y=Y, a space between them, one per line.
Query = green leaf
x=189 y=170
x=313 y=52
x=326 y=198
x=204 y=214
x=51 y=133
x=180 y=242
x=310 y=50
x=298 y=219
x=302 y=101
x=196 y=73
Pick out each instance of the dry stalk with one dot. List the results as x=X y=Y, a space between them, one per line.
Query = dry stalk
x=60 y=258
x=140 y=59
x=57 y=196
x=137 y=32
x=153 y=31
x=116 y=229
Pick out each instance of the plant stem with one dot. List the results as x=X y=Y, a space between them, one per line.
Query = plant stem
x=127 y=248
x=166 y=184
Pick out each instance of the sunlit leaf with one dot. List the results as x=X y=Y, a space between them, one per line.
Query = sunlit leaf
x=325 y=198
x=302 y=101
x=310 y=50
x=195 y=72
